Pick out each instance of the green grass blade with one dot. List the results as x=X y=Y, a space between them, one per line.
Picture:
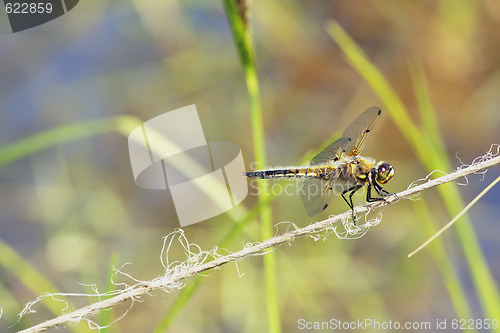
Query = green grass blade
x=180 y=302
x=43 y=140
x=430 y=124
x=9 y=258
x=449 y=224
x=360 y=62
x=484 y=281
x=430 y=157
x=236 y=13
x=123 y=125
x=61 y=135
x=106 y=316
x=186 y=293
x=29 y=276
x=443 y=261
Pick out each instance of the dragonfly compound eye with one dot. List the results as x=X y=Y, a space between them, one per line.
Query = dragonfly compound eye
x=385 y=171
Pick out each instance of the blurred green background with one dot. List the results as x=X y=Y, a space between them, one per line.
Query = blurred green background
x=70 y=211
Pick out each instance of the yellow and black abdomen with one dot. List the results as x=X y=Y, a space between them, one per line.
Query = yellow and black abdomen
x=302 y=172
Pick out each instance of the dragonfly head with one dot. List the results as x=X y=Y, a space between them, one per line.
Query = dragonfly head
x=385 y=171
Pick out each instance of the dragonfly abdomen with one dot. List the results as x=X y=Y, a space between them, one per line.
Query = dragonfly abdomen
x=302 y=172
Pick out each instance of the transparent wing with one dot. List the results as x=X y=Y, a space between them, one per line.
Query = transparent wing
x=333 y=152
x=358 y=130
x=316 y=193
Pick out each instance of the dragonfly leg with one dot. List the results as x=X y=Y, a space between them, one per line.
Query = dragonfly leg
x=352 y=190
x=381 y=191
x=344 y=192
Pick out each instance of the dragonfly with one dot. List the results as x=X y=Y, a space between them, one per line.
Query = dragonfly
x=339 y=169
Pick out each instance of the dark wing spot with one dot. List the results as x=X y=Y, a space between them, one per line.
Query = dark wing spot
x=325 y=206
x=379 y=111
